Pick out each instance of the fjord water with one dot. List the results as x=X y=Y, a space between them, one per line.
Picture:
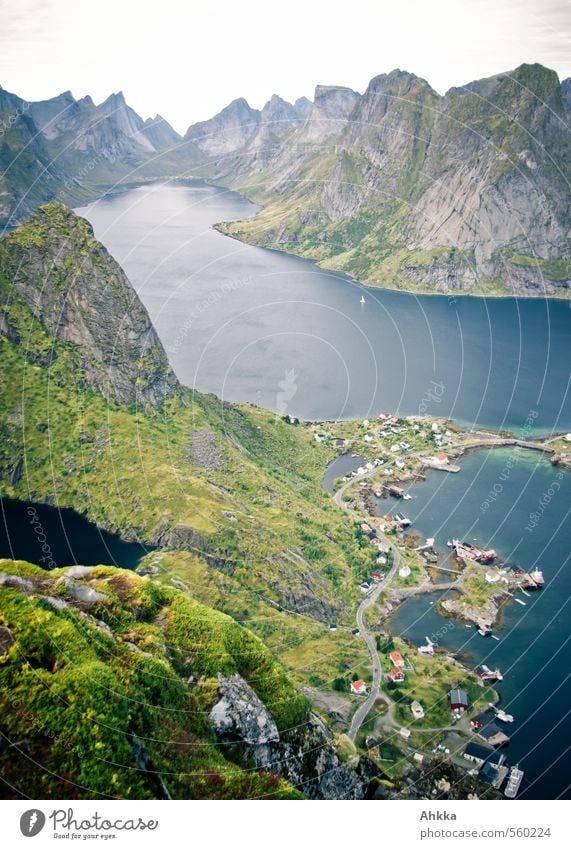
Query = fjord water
x=496 y=499
x=255 y=325
x=69 y=538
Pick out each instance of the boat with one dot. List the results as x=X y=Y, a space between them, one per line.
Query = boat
x=495 y=638
x=514 y=782
x=537 y=578
x=503 y=716
x=487 y=674
x=526 y=594
x=362 y=301
x=483 y=633
x=403 y=520
x=519 y=601
x=450 y=544
x=407 y=497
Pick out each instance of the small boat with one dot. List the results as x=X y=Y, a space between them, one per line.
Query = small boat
x=519 y=601
x=362 y=301
x=527 y=594
x=467 y=626
x=495 y=638
x=483 y=633
x=514 y=782
x=407 y=497
x=450 y=544
x=503 y=716
x=487 y=674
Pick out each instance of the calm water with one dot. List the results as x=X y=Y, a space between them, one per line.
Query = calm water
x=239 y=321
x=339 y=467
x=534 y=653
x=70 y=537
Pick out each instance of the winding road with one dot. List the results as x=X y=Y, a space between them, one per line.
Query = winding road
x=481 y=441
x=368 y=601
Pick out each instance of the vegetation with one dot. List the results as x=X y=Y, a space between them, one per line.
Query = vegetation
x=100 y=700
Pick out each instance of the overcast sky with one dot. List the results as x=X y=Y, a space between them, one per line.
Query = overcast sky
x=186 y=60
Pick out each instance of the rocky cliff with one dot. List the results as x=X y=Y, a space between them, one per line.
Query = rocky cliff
x=405 y=188
x=54 y=266
x=66 y=148
x=303 y=755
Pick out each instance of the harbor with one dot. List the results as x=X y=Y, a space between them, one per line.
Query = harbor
x=523 y=646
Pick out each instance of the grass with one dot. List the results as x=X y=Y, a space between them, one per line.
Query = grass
x=76 y=695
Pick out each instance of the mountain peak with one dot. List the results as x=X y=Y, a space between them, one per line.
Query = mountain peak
x=80 y=295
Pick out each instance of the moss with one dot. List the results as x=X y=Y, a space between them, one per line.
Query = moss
x=81 y=702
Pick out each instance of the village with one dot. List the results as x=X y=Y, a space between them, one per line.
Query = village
x=427 y=705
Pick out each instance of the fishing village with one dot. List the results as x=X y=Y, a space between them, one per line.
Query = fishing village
x=423 y=700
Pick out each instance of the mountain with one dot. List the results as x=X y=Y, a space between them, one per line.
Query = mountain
x=54 y=272
x=68 y=149
x=405 y=188
x=228 y=500
x=400 y=186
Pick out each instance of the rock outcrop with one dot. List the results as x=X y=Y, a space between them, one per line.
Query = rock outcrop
x=74 y=287
x=304 y=756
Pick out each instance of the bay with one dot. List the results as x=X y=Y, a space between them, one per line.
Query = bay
x=238 y=321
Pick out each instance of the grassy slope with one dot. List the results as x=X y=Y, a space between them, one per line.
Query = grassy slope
x=75 y=695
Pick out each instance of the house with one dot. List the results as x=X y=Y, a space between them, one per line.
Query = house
x=396 y=675
x=442 y=459
x=340 y=443
x=319 y=437
x=355 y=632
x=397 y=659
x=395 y=448
x=405 y=733
x=476 y=753
x=417 y=710
x=493 y=735
x=493 y=775
x=365 y=527
x=426 y=649
x=377 y=577
x=492 y=576
x=358 y=687
x=459 y=699
x=368 y=437
x=418 y=757
x=332 y=626
x=404 y=572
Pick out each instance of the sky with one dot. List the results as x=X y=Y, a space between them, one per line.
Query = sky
x=186 y=60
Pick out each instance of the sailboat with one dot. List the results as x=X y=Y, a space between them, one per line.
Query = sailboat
x=362 y=301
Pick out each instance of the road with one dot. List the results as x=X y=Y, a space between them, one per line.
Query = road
x=376 y=692
x=368 y=601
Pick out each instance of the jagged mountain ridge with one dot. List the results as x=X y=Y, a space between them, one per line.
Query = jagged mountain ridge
x=68 y=149
x=404 y=187
x=399 y=186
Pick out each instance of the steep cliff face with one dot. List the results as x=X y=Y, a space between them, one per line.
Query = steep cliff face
x=66 y=148
x=304 y=756
x=71 y=284
x=403 y=187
